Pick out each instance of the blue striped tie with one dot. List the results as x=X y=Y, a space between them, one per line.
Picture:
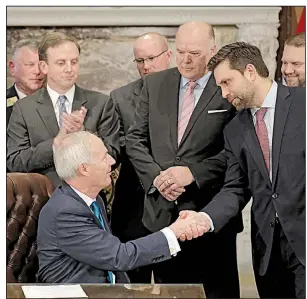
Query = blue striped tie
x=94 y=207
x=62 y=108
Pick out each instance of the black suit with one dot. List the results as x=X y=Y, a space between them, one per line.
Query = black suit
x=128 y=203
x=285 y=195
x=152 y=146
x=10 y=93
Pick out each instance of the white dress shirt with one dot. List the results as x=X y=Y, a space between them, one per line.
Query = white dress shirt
x=269 y=103
x=173 y=244
x=54 y=96
x=21 y=95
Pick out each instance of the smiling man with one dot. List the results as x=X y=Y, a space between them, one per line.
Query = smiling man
x=24 y=68
x=293 y=60
x=36 y=120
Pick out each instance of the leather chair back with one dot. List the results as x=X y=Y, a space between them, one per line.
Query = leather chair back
x=27 y=193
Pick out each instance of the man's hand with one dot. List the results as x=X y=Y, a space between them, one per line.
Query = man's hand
x=200 y=225
x=173 y=178
x=73 y=122
x=192 y=226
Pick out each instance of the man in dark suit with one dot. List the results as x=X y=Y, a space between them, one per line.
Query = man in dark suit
x=74 y=242
x=165 y=138
x=35 y=120
x=265 y=145
x=24 y=68
x=151 y=55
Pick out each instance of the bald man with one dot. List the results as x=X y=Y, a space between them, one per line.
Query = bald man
x=178 y=132
x=151 y=55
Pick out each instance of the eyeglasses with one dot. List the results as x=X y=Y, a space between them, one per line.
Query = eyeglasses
x=150 y=60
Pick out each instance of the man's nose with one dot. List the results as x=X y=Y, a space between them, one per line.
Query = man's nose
x=289 y=69
x=36 y=69
x=111 y=160
x=225 y=93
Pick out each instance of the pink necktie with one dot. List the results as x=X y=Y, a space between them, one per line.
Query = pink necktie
x=262 y=134
x=187 y=109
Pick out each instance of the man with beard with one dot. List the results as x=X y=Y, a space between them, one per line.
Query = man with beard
x=24 y=68
x=265 y=145
x=151 y=55
x=179 y=122
x=293 y=60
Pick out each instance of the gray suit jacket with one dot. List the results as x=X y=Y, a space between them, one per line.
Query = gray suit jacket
x=128 y=204
x=33 y=125
x=72 y=247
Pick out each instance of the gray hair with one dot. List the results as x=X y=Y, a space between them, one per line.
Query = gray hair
x=72 y=151
x=24 y=43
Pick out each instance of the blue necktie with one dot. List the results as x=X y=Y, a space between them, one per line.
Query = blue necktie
x=62 y=107
x=95 y=208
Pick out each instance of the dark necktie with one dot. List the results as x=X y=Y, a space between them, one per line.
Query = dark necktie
x=96 y=210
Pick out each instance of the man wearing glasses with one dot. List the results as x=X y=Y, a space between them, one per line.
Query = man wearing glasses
x=151 y=55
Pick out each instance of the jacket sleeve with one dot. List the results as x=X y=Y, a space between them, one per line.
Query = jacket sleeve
x=138 y=143
x=21 y=156
x=79 y=237
x=234 y=195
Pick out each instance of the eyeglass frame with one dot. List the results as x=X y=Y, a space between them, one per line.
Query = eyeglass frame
x=147 y=59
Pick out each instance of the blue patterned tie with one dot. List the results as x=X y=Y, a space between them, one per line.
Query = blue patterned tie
x=95 y=208
x=62 y=100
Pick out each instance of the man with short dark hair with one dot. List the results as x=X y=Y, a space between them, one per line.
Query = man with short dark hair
x=265 y=146
x=24 y=68
x=293 y=60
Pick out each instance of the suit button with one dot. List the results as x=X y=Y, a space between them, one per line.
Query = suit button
x=272 y=224
x=275 y=195
x=177 y=159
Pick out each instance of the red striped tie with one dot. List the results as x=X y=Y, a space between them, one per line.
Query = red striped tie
x=262 y=134
x=187 y=109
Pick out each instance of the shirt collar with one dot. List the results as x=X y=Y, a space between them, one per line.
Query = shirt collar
x=55 y=96
x=21 y=95
x=86 y=198
x=201 y=81
x=270 y=99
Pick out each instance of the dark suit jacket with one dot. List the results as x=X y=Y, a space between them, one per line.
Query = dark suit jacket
x=33 y=125
x=72 y=247
x=152 y=145
x=128 y=204
x=247 y=174
x=10 y=93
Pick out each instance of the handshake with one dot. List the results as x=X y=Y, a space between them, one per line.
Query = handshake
x=190 y=224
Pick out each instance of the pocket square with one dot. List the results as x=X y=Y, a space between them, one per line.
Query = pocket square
x=216 y=111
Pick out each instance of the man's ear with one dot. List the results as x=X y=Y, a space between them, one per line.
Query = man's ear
x=250 y=72
x=43 y=67
x=169 y=55
x=12 y=68
x=83 y=170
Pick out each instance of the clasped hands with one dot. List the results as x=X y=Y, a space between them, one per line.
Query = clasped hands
x=171 y=182
x=190 y=224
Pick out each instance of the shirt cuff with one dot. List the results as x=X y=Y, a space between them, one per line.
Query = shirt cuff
x=152 y=189
x=211 y=222
x=173 y=244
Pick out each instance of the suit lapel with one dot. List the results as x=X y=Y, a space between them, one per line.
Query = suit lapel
x=170 y=91
x=79 y=99
x=281 y=112
x=205 y=98
x=252 y=143
x=137 y=87
x=46 y=111
x=11 y=92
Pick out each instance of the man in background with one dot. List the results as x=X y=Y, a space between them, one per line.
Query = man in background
x=293 y=60
x=36 y=119
x=24 y=68
x=151 y=55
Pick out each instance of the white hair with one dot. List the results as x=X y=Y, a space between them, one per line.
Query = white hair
x=72 y=151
